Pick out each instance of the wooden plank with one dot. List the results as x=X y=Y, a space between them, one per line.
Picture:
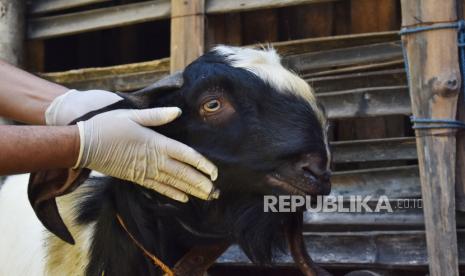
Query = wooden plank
x=407 y=214
x=12 y=31
x=393 y=182
x=343 y=104
x=383 y=249
x=227 y=6
x=332 y=42
x=403 y=148
x=393 y=77
x=434 y=86
x=378 y=101
x=114 y=78
x=313 y=20
x=395 y=64
x=45 y=6
x=35 y=55
x=187 y=32
x=224 y=29
x=260 y=26
x=73 y=23
x=365 y=54
x=374 y=16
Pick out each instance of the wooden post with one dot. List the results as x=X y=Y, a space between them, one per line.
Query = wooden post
x=460 y=166
x=434 y=87
x=187 y=32
x=12 y=31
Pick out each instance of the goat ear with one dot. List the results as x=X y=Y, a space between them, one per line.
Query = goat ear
x=148 y=97
x=173 y=81
x=44 y=187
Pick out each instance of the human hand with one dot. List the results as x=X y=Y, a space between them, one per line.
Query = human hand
x=117 y=143
x=74 y=104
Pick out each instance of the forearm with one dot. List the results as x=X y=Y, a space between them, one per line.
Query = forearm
x=33 y=148
x=25 y=97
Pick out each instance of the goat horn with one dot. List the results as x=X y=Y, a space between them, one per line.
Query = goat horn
x=295 y=239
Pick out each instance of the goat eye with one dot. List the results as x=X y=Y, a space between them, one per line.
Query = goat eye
x=212 y=106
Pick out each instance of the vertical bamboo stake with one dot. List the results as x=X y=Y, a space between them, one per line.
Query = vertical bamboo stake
x=187 y=32
x=434 y=87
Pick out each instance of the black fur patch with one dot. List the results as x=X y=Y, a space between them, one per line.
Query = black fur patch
x=270 y=129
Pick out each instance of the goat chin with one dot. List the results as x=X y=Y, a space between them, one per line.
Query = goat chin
x=22 y=237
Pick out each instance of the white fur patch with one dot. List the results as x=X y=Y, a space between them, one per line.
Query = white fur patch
x=22 y=250
x=266 y=64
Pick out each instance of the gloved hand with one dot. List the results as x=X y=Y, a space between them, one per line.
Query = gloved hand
x=74 y=104
x=116 y=143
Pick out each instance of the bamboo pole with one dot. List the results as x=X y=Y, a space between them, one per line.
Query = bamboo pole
x=187 y=32
x=434 y=85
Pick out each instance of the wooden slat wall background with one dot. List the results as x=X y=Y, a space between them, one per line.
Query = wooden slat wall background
x=350 y=53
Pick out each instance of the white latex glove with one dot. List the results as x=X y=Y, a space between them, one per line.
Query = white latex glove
x=74 y=104
x=116 y=143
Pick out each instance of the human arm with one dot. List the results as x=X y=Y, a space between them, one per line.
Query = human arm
x=116 y=143
x=25 y=97
x=33 y=148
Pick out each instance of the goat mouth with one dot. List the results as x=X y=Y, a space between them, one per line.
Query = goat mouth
x=275 y=180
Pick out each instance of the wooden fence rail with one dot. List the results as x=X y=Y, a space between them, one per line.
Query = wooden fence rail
x=121 y=15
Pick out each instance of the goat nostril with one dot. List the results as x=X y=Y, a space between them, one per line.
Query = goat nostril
x=326 y=176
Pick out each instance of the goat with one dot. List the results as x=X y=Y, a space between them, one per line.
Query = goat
x=256 y=120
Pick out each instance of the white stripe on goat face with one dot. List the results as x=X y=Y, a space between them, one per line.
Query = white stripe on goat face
x=266 y=64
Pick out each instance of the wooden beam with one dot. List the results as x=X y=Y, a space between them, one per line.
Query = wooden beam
x=393 y=182
x=73 y=23
x=403 y=148
x=377 y=101
x=383 y=249
x=227 y=6
x=434 y=86
x=308 y=45
x=395 y=64
x=363 y=102
x=187 y=32
x=393 y=77
x=407 y=214
x=121 y=78
x=44 y=6
x=365 y=54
